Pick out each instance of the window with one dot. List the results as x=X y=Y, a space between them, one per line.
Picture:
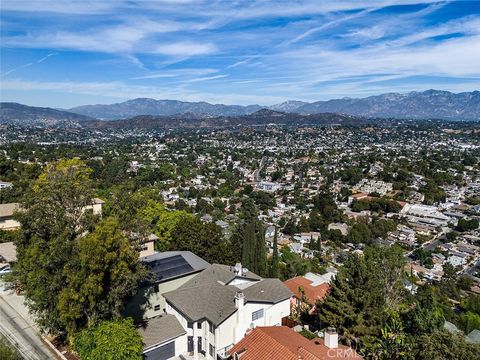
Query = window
x=190 y=344
x=211 y=350
x=257 y=315
x=190 y=325
x=199 y=325
x=211 y=328
x=156 y=307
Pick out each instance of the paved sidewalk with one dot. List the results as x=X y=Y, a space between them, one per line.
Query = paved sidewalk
x=17 y=326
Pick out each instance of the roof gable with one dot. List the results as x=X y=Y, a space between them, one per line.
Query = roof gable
x=209 y=295
x=282 y=343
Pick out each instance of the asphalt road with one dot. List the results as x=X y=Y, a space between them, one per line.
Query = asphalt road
x=22 y=335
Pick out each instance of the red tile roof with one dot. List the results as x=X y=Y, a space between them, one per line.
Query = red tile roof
x=313 y=293
x=282 y=343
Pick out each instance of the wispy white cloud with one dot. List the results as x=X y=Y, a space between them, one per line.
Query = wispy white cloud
x=184 y=48
x=29 y=64
x=206 y=78
x=135 y=36
x=188 y=49
x=328 y=25
x=169 y=73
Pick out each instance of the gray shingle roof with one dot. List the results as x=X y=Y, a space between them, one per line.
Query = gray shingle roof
x=209 y=296
x=160 y=329
x=212 y=301
x=267 y=290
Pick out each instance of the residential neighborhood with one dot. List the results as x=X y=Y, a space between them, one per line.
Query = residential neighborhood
x=247 y=244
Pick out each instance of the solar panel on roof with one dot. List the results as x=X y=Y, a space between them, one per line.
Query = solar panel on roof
x=170 y=267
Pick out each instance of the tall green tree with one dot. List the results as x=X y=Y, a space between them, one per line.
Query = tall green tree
x=248 y=239
x=204 y=239
x=248 y=247
x=275 y=258
x=363 y=287
x=103 y=274
x=162 y=222
x=52 y=219
x=260 y=258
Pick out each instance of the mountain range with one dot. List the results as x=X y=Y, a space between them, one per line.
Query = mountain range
x=14 y=113
x=430 y=104
x=146 y=106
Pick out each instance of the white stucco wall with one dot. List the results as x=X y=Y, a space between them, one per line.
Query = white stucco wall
x=147 y=249
x=234 y=328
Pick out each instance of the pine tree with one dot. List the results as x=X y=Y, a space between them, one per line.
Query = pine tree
x=260 y=251
x=250 y=237
x=274 y=264
x=337 y=309
x=248 y=248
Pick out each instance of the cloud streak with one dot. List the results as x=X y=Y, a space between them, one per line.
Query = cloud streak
x=29 y=64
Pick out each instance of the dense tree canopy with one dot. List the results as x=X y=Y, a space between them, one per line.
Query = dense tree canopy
x=74 y=269
x=102 y=275
x=248 y=239
x=204 y=239
x=363 y=287
x=52 y=220
x=110 y=340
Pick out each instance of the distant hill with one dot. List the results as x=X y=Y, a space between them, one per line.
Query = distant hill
x=260 y=118
x=430 y=104
x=288 y=106
x=14 y=113
x=146 y=106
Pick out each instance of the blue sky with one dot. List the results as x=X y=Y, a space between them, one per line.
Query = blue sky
x=68 y=53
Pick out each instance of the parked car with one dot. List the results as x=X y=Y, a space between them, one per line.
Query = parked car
x=5 y=269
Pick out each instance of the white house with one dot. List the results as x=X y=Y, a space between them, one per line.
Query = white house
x=456 y=260
x=167 y=272
x=268 y=186
x=219 y=305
